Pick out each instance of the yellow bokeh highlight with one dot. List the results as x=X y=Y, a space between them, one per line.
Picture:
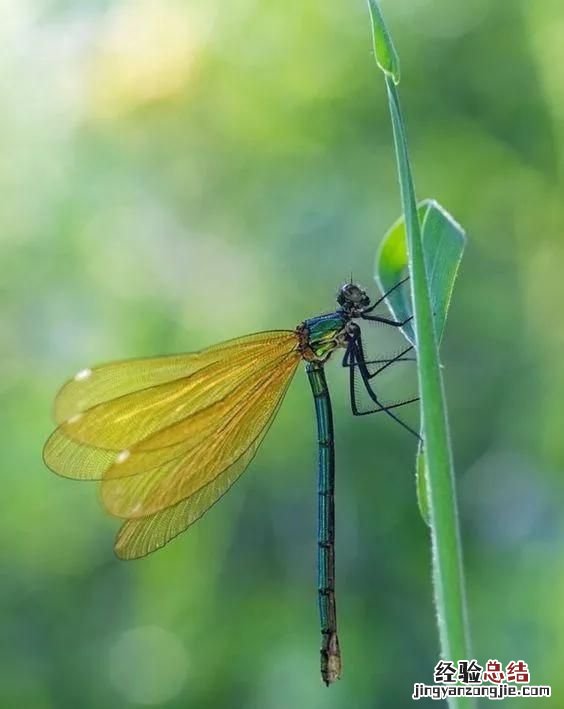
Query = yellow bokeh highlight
x=146 y=52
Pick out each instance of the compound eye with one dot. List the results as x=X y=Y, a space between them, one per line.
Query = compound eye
x=344 y=294
x=355 y=294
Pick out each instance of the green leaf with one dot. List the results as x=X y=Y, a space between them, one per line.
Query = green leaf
x=384 y=50
x=443 y=245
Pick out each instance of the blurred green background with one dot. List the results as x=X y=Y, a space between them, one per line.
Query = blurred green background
x=178 y=172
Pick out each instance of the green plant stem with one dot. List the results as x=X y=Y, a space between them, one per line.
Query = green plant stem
x=450 y=599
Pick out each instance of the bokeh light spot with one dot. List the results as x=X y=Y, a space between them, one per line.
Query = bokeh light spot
x=148 y=665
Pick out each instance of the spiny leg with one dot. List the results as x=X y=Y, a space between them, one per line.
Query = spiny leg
x=399 y=357
x=355 y=353
x=381 y=407
x=386 y=360
x=387 y=321
x=359 y=360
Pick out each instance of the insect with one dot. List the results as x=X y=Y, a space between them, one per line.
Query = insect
x=168 y=436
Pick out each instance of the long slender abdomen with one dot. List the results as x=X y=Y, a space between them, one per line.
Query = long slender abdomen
x=330 y=653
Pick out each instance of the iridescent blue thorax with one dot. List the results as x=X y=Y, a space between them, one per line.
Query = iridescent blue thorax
x=321 y=336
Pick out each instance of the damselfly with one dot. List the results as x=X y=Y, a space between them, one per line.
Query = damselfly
x=168 y=436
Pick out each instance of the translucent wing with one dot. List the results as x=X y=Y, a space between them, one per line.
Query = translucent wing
x=107 y=412
x=223 y=441
x=139 y=537
x=91 y=387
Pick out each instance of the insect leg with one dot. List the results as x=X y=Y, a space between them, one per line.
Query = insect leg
x=386 y=294
x=355 y=346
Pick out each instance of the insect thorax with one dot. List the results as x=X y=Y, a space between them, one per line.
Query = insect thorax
x=320 y=336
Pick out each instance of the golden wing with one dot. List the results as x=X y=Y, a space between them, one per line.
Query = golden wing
x=170 y=435
x=141 y=536
x=105 y=412
x=215 y=438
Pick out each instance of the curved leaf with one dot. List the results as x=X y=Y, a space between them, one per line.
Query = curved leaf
x=443 y=245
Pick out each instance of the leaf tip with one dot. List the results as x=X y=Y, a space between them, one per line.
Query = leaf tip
x=433 y=205
x=384 y=50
